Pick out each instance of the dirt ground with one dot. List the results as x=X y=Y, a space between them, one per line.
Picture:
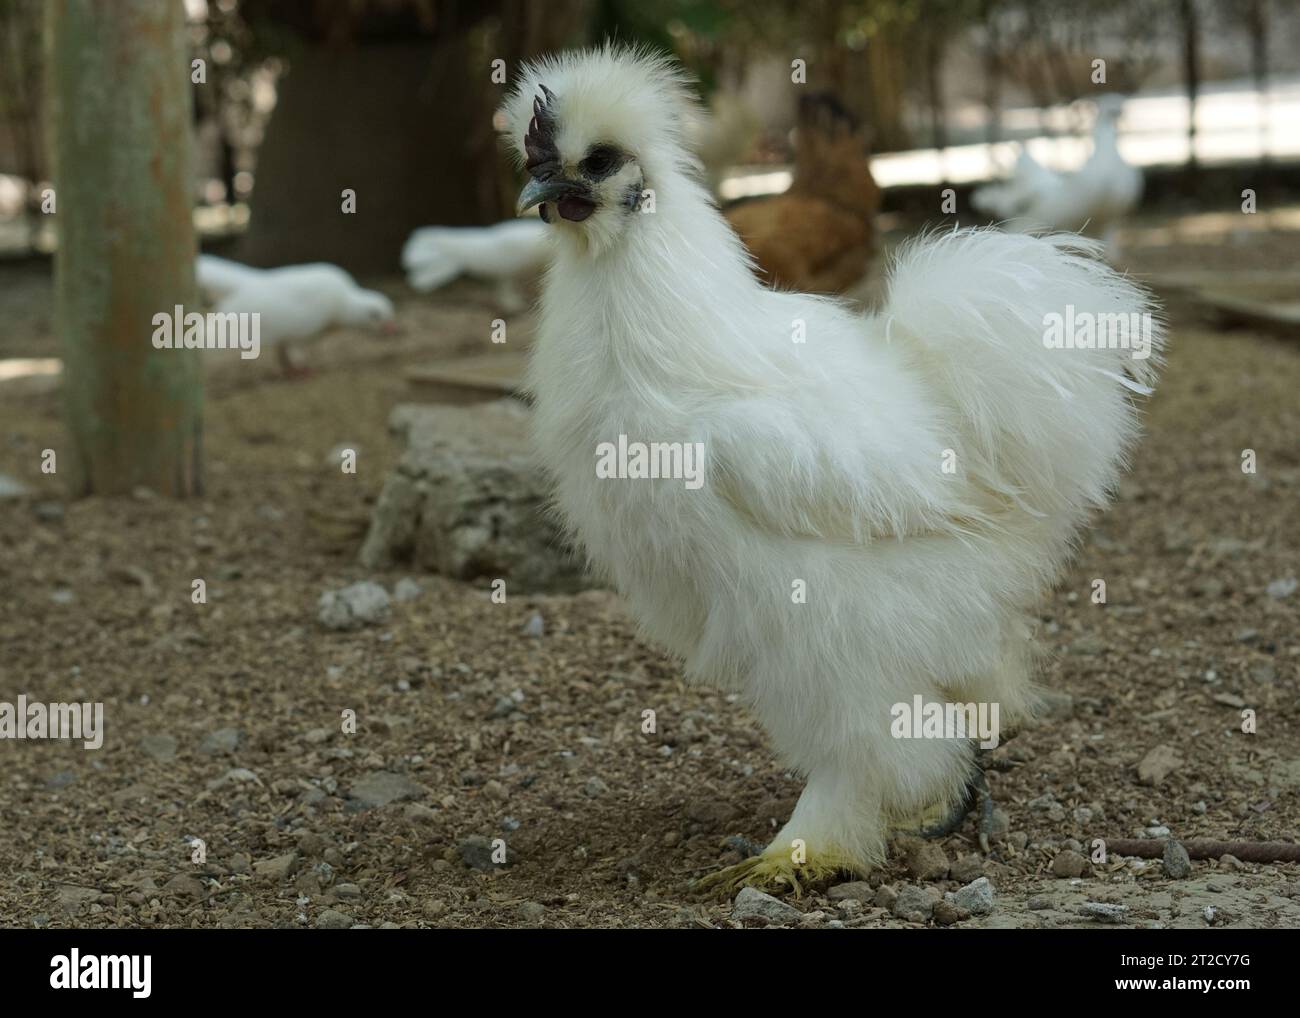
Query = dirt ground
x=223 y=720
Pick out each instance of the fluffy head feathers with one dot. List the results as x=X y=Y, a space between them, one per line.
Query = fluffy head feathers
x=628 y=97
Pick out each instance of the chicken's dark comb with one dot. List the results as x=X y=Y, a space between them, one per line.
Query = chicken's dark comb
x=539 y=143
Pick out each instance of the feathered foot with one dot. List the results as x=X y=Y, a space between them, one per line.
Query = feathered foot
x=775 y=871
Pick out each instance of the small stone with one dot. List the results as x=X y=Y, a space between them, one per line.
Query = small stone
x=927 y=861
x=857 y=890
x=72 y=898
x=751 y=903
x=1038 y=904
x=406 y=590
x=535 y=626
x=532 y=912
x=1103 y=912
x=354 y=606
x=379 y=788
x=885 y=897
x=946 y=913
x=49 y=512
x=347 y=892
x=161 y=747
x=434 y=909
x=977 y=897
x=503 y=707
x=1282 y=588
x=240 y=862
x=184 y=886
x=332 y=919
x=1176 y=860
x=915 y=904
x=595 y=787
x=11 y=487
x=476 y=852
x=278 y=867
x=1158 y=764
x=1068 y=865
x=223 y=740
x=967 y=869
x=1231 y=862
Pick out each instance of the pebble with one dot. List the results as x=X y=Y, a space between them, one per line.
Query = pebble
x=1158 y=764
x=946 y=913
x=595 y=787
x=1068 y=865
x=379 y=788
x=11 y=487
x=532 y=912
x=278 y=867
x=1282 y=588
x=476 y=852
x=184 y=886
x=915 y=904
x=1176 y=860
x=856 y=890
x=223 y=740
x=161 y=747
x=967 y=869
x=332 y=919
x=751 y=903
x=406 y=590
x=927 y=861
x=976 y=897
x=354 y=606
x=535 y=626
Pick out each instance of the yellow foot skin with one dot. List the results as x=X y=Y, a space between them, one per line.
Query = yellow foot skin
x=777 y=873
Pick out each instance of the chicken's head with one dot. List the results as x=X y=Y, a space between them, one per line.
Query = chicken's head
x=595 y=131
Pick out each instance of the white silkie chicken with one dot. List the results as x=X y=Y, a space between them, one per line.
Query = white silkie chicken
x=295 y=302
x=1093 y=200
x=883 y=499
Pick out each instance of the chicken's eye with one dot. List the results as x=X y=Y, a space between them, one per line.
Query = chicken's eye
x=601 y=161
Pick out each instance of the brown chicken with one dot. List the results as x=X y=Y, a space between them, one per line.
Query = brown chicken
x=820 y=235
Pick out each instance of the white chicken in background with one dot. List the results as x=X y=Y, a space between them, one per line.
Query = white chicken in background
x=1093 y=200
x=512 y=254
x=295 y=302
x=883 y=499
x=509 y=254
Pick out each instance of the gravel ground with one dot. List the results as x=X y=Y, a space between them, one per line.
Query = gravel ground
x=223 y=721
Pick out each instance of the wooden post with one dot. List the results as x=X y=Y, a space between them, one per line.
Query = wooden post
x=120 y=100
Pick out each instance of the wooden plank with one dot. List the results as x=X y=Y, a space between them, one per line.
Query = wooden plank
x=472 y=379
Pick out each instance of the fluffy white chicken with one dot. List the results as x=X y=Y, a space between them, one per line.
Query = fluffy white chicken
x=295 y=302
x=1093 y=200
x=920 y=475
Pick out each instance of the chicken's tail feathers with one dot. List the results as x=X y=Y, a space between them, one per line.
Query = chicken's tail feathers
x=220 y=277
x=428 y=259
x=1036 y=345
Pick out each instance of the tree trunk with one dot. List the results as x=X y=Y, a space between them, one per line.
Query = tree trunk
x=120 y=98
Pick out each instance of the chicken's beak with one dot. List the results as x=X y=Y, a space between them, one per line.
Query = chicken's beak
x=573 y=199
